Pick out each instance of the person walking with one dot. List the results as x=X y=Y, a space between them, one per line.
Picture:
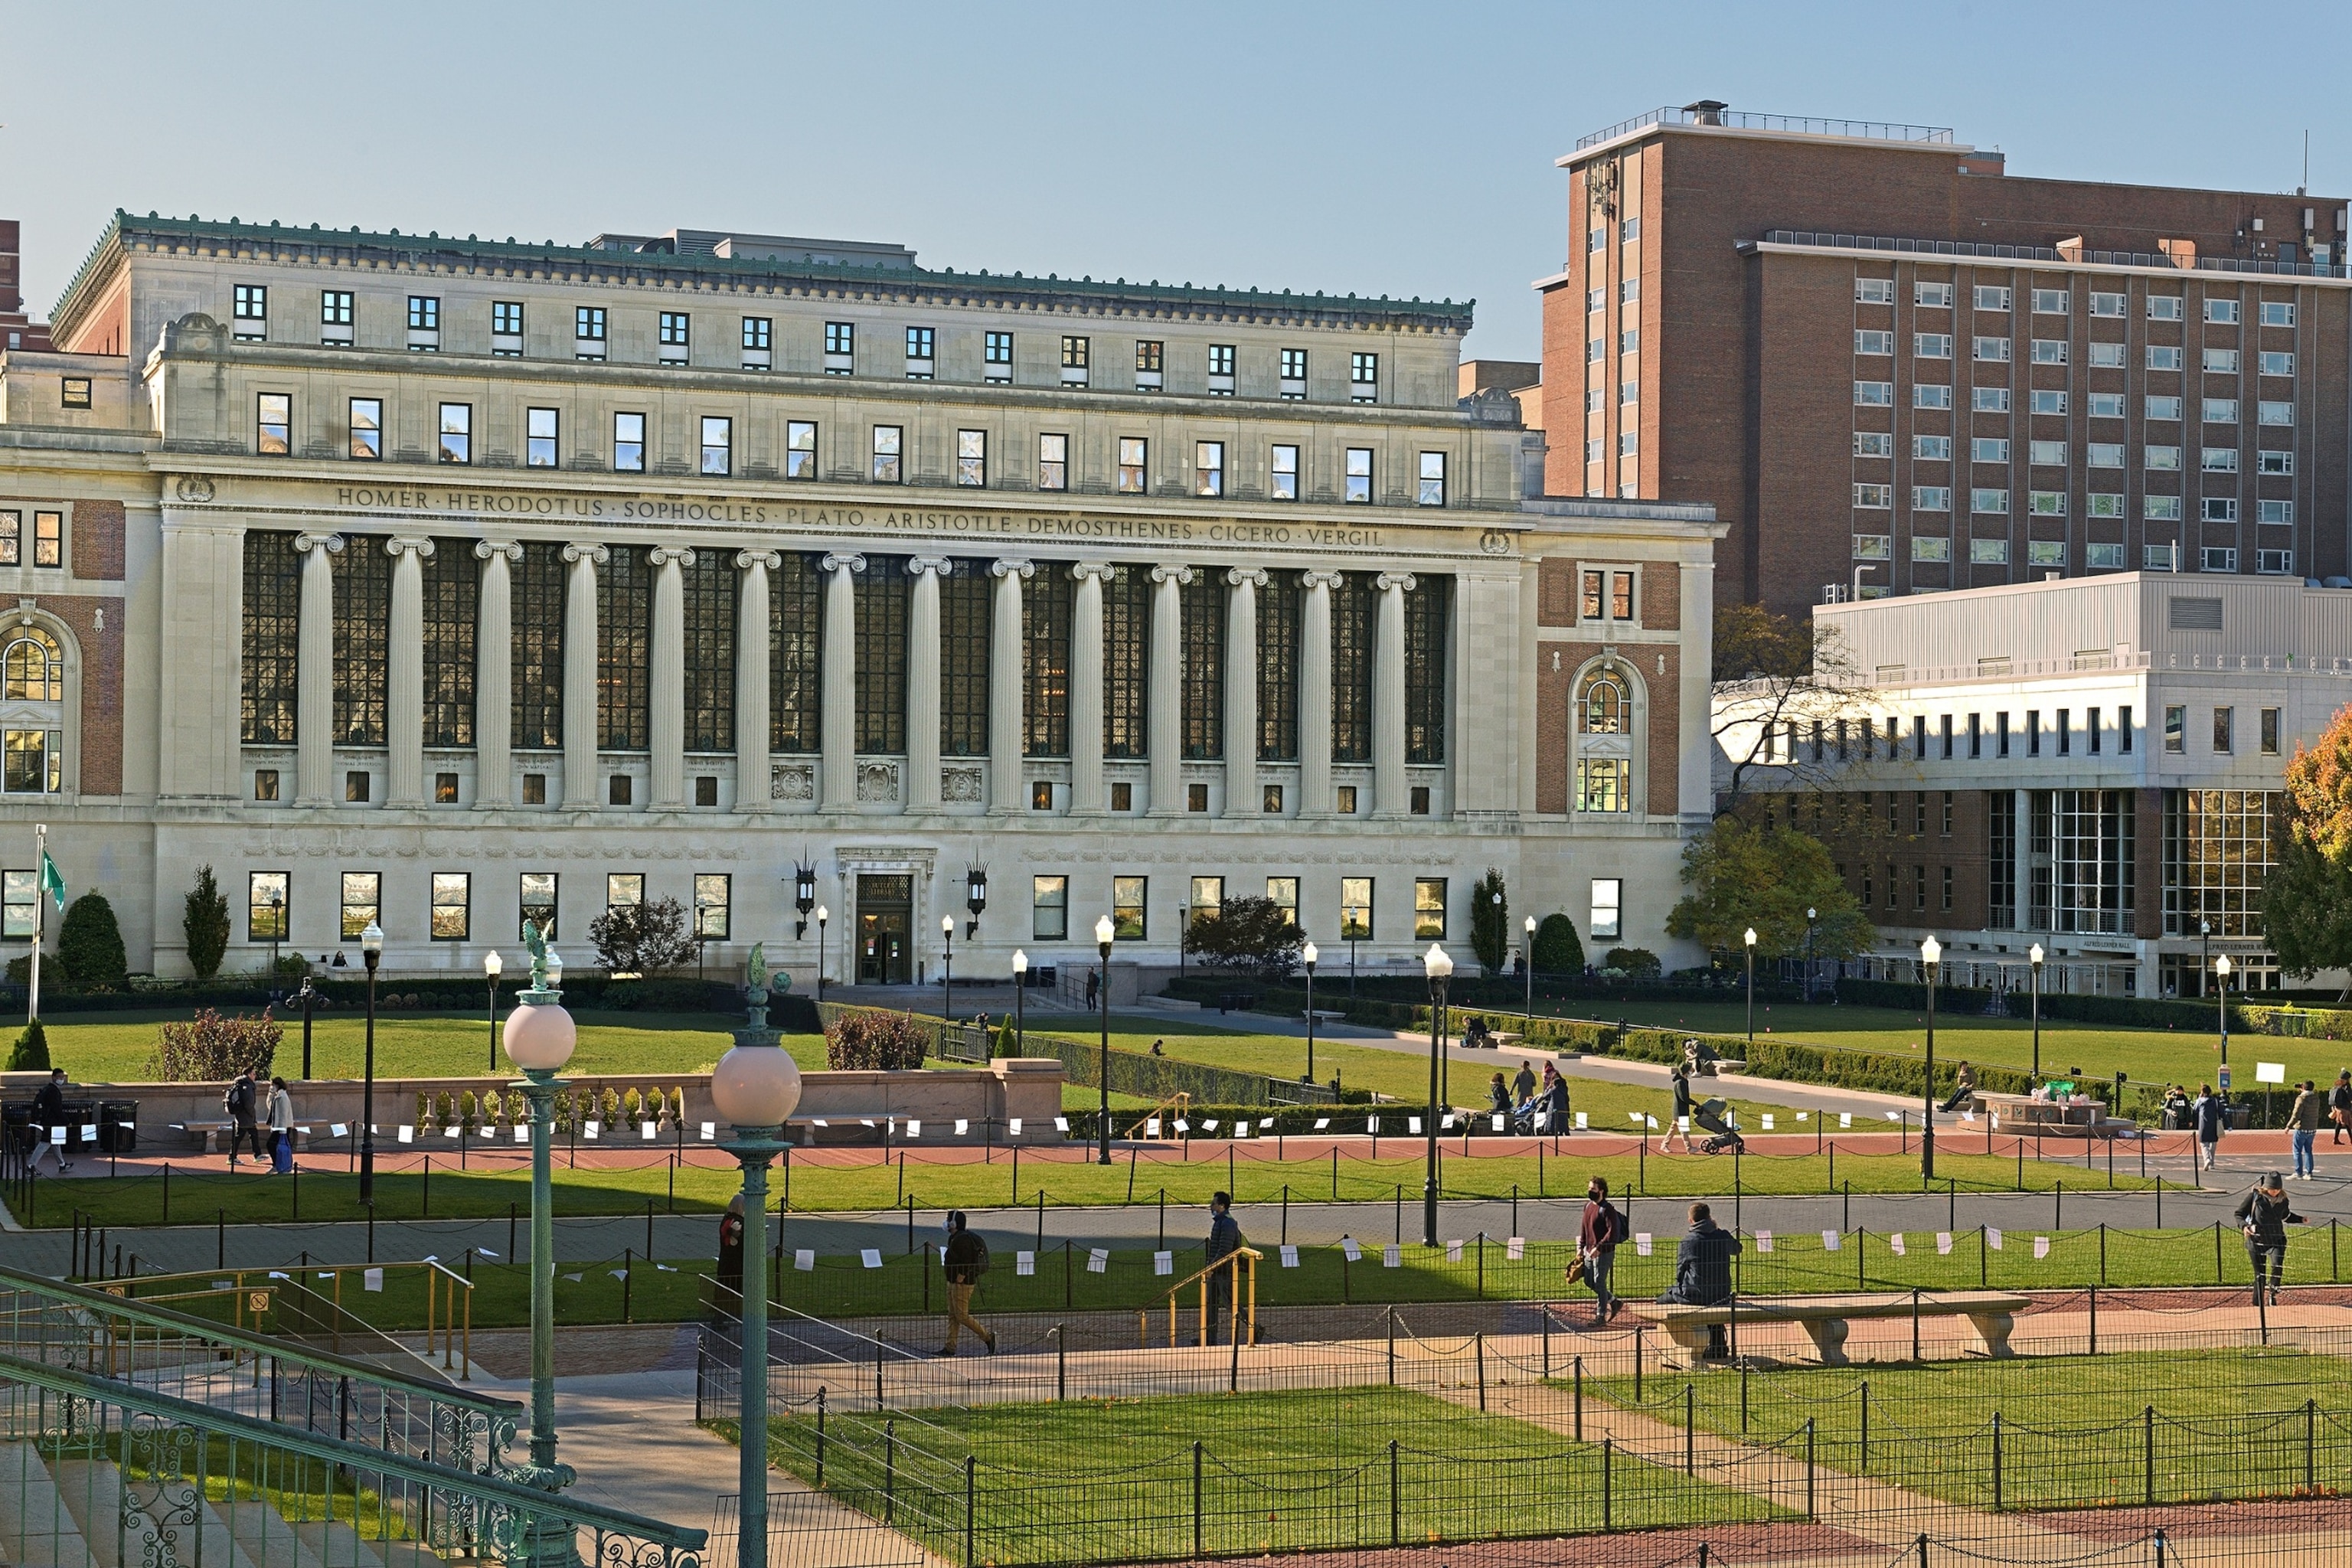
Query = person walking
x=727 y=1279
x=281 y=1127
x=2340 y=1106
x=49 y=1112
x=2263 y=1216
x=2209 y=1113
x=2304 y=1117
x=244 y=1091
x=1678 y=1123
x=1552 y=1114
x=1597 y=1241
x=965 y=1261
x=1702 y=1272
x=1523 y=1087
x=1224 y=1240
x=1964 y=1088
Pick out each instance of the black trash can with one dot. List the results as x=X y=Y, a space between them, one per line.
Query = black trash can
x=117 y=1126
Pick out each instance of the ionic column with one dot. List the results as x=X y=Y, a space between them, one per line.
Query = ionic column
x=494 y=676
x=665 y=734
x=1388 y=696
x=1087 y=688
x=923 y=682
x=1314 y=695
x=1008 y=727
x=838 y=717
x=404 y=703
x=753 y=791
x=1165 y=733
x=580 y=675
x=314 y=672
x=1240 y=690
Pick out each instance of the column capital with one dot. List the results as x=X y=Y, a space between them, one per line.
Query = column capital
x=1014 y=569
x=774 y=560
x=834 y=562
x=1253 y=575
x=1388 y=580
x=597 y=554
x=670 y=555
x=401 y=544
x=1082 y=570
x=942 y=564
x=486 y=548
x=333 y=543
x=1179 y=574
x=1320 y=577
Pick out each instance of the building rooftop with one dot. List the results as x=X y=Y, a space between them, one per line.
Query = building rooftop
x=1709 y=113
x=735 y=246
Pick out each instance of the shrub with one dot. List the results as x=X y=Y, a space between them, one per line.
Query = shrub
x=1638 y=962
x=1007 y=1043
x=1252 y=935
x=1490 y=921
x=874 y=1042
x=205 y=922
x=641 y=939
x=89 y=945
x=1558 y=950
x=210 y=1046
x=31 y=1051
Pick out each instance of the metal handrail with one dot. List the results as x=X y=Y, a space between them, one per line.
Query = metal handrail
x=1240 y=1260
x=361 y=1458
x=442 y=1284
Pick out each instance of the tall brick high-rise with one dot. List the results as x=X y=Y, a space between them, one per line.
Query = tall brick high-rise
x=1888 y=361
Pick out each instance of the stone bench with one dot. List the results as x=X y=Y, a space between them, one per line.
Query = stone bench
x=1326 y=1014
x=1824 y=1318
x=212 y=1132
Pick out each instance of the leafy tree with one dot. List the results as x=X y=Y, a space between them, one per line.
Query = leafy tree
x=1772 y=671
x=211 y=1047
x=205 y=922
x=2307 y=896
x=1743 y=875
x=1639 y=962
x=89 y=945
x=1245 y=934
x=1556 y=949
x=1490 y=921
x=641 y=939
x=31 y=1051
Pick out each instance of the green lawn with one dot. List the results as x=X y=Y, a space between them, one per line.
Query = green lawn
x=2074 y=1432
x=200 y=1192
x=1115 y=1481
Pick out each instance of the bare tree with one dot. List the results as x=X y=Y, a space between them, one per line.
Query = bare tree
x=1791 y=710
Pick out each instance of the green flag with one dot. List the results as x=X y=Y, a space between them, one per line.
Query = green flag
x=51 y=883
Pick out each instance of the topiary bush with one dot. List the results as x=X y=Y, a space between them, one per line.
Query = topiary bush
x=89 y=945
x=204 y=921
x=875 y=1042
x=31 y=1051
x=1639 y=962
x=1556 y=949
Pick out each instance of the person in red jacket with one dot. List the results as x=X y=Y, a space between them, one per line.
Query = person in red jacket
x=1596 y=1244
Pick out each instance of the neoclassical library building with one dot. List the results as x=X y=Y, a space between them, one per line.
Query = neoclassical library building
x=443 y=582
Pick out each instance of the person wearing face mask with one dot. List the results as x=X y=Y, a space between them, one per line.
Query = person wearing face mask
x=965 y=1261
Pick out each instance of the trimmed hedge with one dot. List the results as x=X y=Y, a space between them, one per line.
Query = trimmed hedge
x=582 y=992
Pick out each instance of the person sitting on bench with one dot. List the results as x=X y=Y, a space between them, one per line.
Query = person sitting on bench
x=1703 y=1273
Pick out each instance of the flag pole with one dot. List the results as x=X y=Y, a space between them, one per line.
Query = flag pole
x=41 y=897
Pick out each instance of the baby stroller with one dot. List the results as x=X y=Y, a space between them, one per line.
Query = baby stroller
x=1714 y=1117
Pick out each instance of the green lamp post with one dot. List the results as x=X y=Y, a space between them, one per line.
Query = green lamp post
x=540 y=1037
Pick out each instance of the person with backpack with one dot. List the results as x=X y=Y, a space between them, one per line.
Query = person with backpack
x=965 y=1261
x=2304 y=1119
x=281 y=1127
x=1224 y=1240
x=1596 y=1247
x=2263 y=1216
x=2211 y=1115
x=239 y=1104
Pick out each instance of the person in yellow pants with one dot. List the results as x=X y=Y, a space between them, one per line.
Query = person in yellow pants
x=966 y=1260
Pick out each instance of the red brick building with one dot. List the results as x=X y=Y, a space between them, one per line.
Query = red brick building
x=1889 y=363
x=17 y=329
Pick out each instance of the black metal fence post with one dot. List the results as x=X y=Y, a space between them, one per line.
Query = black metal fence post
x=1198 y=1539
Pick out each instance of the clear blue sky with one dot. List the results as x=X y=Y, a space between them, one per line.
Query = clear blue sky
x=1365 y=147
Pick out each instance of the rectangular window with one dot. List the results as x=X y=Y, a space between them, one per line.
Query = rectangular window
x=538 y=902
x=2042 y=401
x=1929 y=346
x=1990 y=298
x=1221 y=370
x=1283 y=480
x=424 y=313
x=2278 y=313
x=1989 y=400
x=2046 y=503
x=452 y=897
x=2176 y=730
x=2270 y=731
x=1929 y=547
x=1983 y=500
x=1876 y=546
x=588 y=327
x=718 y=447
x=2107 y=356
x=362 y=901
x=624 y=889
x=2049 y=351
x=1134 y=455
x=1876 y=444
x=1606 y=921
x=628 y=443
x=2106 y=405
x=2223 y=312
x=73 y=392
x=1925 y=397
x=1364 y=378
x=1873 y=290
x=2105 y=503
x=1149 y=357
x=1873 y=394
x=2049 y=454
x=265 y=907
x=2221 y=362
x=921 y=342
x=972 y=458
x=2104 y=454
x=2164 y=356
x=456 y=428
x=1429 y=908
x=2065 y=733
x=2280 y=511
x=2275 y=363
x=1433 y=479
x=1053 y=462
x=1874 y=496
x=2220 y=410
x=335 y=308
x=1073 y=354
x=1282 y=892
x=2274 y=413
x=675 y=334
x=2123 y=729
x=1049 y=907
x=2275 y=462
x=1294 y=373
x=2164 y=307
x=1994 y=351
x=2164 y=408
x=367 y=430
x=1932 y=296
x=265 y=783
x=996 y=357
x=1988 y=450
x=1129 y=908
x=2049 y=301
x=1932 y=448
x=759 y=334
x=2033 y=732
x=2105 y=304
x=1208 y=467
x=250 y=307
x=274 y=424
x=713 y=905
x=506 y=321
x=1873 y=341
x=1355 y=908
x=2220 y=508
x=2223 y=720
x=540 y=438
x=799 y=450
x=1604 y=783
x=1358 y=489
x=887 y=454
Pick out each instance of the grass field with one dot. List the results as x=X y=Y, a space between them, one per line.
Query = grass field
x=2075 y=1433
x=1272 y=1472
x=908 y=1284
x=200 y=1192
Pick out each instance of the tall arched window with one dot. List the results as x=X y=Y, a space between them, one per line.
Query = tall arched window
x=1603 y=741
x=32 y=712
x=1606 y=705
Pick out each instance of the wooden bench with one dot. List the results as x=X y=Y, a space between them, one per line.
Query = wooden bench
x=1824 y=1318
